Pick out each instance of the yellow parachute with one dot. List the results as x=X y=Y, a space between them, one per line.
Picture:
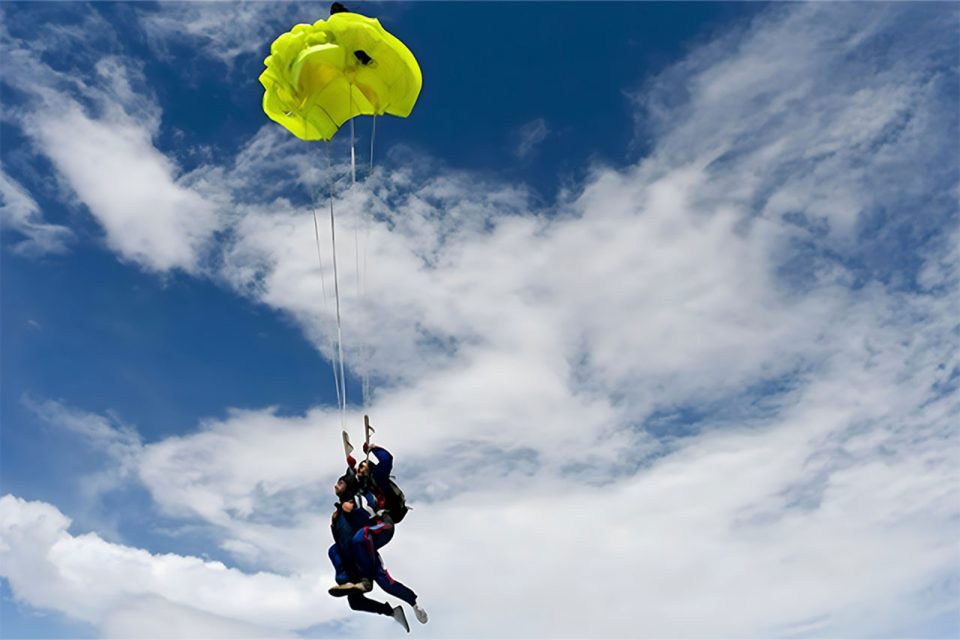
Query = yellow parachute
x=319 y=76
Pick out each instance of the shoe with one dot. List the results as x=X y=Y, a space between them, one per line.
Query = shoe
x=421 y=614
x=401 y=618
x=345 y=589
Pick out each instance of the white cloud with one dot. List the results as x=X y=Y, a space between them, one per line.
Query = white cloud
x=118 y=442
x=153 y=617
x=226 y=32
x=21 y=213
x=531 y=135
x=230 y=31
x=99 y=136
x=130 y=188
x=105 y=584
x=265 y=481
x=780 y=112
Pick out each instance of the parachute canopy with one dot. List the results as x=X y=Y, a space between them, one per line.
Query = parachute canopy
x=319 y=76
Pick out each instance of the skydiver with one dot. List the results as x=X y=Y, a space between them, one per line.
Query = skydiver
x=375 y=478
x=354 y=524
x=343 y=523
x=341 y=554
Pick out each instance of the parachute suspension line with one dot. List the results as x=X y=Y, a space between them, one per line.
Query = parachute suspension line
x=365 y=380
x=342 y=394
x=314 y=205
x=353 y=169
x=373 y=136
x=315 y=196
x=360 y=304
x=356 y=231
x=353 y=146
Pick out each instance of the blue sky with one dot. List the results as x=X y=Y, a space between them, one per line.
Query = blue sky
x=698 y=261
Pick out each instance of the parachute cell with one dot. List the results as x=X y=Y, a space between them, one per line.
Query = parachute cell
x=319 y=76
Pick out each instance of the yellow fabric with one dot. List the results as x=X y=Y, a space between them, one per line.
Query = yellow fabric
x=314 y=82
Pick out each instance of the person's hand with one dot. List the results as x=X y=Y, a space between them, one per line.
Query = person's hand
x=351 y=461
x=367 y=447
x=348 y=506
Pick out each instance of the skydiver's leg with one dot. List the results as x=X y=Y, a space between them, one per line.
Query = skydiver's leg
x=339 y=566
x=362 y=603
x=359 y=602
x=370 y=566
x=344 y=564
x=394 y=587
x=364 y=546
x=368 y=562
x=379 y=534
x=347 y=576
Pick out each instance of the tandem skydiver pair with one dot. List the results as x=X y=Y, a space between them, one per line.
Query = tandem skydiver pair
x=369 y=506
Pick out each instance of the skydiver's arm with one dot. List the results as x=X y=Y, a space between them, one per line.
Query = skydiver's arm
x=384 y=466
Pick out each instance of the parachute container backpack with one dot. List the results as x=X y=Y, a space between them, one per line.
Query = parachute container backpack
x=320 y=76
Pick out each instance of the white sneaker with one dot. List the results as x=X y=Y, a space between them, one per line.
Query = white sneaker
x=401 y=618
x=421 y=613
